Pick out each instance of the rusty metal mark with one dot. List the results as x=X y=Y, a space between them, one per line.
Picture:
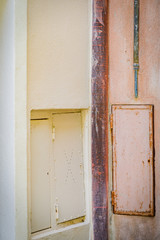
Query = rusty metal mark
x=99 y=11
x=99 y=121
x=113 y=196
x=111 y=121
x=141 y=205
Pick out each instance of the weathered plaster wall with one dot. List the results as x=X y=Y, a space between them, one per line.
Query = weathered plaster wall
x=58 y=54
x=7 y=160
x=121 y=90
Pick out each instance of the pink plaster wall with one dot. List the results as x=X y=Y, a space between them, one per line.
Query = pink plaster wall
x=121 y=91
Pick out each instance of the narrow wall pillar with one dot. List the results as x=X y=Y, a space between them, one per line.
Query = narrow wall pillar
x=99 y=120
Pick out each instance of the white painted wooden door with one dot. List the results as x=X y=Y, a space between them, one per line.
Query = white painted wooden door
x=68 y=157
x=40 y=174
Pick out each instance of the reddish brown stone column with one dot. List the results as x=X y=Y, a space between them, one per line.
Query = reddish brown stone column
x=99 y=120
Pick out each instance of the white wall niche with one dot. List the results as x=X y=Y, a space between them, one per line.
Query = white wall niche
x=82 y=220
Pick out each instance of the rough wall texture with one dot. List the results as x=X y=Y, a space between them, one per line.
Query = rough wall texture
x=99 y=121
x=121 y=91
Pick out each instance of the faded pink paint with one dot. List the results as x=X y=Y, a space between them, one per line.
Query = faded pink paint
x=133 y=159
x=121 y=91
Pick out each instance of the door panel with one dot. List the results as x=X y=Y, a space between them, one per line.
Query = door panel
x=67 y=148
x=40 y=175
x=133 y=159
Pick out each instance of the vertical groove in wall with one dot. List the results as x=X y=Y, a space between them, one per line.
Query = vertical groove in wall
x=99 y=120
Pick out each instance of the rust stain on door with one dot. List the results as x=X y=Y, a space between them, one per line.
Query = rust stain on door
x=133 y=165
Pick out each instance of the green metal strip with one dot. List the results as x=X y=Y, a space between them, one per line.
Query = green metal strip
x=136 y=46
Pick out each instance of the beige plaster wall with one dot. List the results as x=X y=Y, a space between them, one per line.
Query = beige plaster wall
x=121 y=91
x=58 y=53
x=13 y=100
